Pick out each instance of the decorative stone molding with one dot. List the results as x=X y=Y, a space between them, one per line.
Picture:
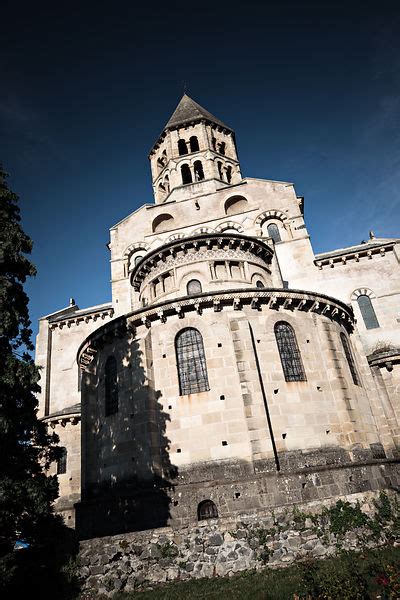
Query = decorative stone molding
x=362 y=292
x=257 y=298
x=201 y=247
x=269 y=214
x=133 y=248
x=70 y=415
x=229 y=225
x=201 y=230
x=176 y=236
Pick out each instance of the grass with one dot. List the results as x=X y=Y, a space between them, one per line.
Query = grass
x=348 y=576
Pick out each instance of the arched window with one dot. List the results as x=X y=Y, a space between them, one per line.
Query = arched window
x=194 y=144
x=219 y=165
x=207 y=510
x=186 y=174
x=259 y=284
x=367 y=311
x=213 y=143
x=191 y=362
x=62 y=462
x=273 y=232
x=221 y=148
x=350 y=358
x=289 y=352
x=198 y=171
x=138 y=258
x=111 y=386
x=229 y=174
x=182 y=148
x=193 y=287
x=166 y=184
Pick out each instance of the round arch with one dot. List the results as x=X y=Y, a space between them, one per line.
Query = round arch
x=269 y=214
x=362 y=292
x=229 y=225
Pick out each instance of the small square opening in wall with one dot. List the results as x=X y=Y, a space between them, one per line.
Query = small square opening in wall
x=224 y=443
x=276 y=391
x=222 y=397
x=170 y=406
x=176 y=502
x=164 y=356
x=219 y=345
x=237 y=494
x=284 y=435
x=179 y=450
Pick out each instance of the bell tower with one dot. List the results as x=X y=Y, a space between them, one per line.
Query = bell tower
x=195 y=154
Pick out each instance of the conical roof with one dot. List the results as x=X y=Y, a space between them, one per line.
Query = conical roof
x=188 y=110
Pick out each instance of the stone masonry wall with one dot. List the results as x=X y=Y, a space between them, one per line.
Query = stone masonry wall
x=221 y=547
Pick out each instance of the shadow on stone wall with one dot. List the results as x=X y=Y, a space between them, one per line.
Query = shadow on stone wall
x=127 y=475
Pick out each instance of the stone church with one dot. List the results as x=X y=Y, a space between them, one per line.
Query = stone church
x=234 y=370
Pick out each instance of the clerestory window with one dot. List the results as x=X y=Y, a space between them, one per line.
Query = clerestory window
x=289 y=352
x=191 y=362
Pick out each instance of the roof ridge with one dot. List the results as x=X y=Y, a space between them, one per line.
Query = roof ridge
x=188 y=110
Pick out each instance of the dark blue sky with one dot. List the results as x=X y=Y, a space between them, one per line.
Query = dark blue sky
x=311 y=89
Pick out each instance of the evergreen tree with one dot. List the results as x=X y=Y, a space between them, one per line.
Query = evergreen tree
x=26 y=448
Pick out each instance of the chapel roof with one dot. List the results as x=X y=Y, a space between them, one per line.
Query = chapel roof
x=188 y=110
x=371 y=243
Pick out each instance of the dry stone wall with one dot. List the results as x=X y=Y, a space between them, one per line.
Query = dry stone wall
x=217 y=547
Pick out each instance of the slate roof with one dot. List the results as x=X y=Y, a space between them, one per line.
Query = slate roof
x=188 y=110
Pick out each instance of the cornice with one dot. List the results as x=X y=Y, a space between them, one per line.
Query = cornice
x=76 y=319
x=352 y=254
x=272 y=298
x=384 y=358
x=62 y=418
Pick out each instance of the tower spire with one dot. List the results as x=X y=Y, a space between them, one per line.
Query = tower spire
x=195 y=154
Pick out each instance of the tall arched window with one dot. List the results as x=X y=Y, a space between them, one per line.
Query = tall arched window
x=198 y=171
x=350 y=358
x=111 y=386
x=220 y=174
x=289 y=352
x=273 y=232
x=191 y=362
x=259 y=284
x=193 y=287
x=229 y=174
x=207 y=510
x=194 y=144
x=367 y=311
x=182 y=148
x=62 y=462
x=186 y=174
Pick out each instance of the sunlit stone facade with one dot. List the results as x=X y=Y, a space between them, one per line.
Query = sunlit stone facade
x=233 y=369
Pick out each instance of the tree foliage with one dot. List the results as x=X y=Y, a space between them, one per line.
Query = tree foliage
x=26 y=448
